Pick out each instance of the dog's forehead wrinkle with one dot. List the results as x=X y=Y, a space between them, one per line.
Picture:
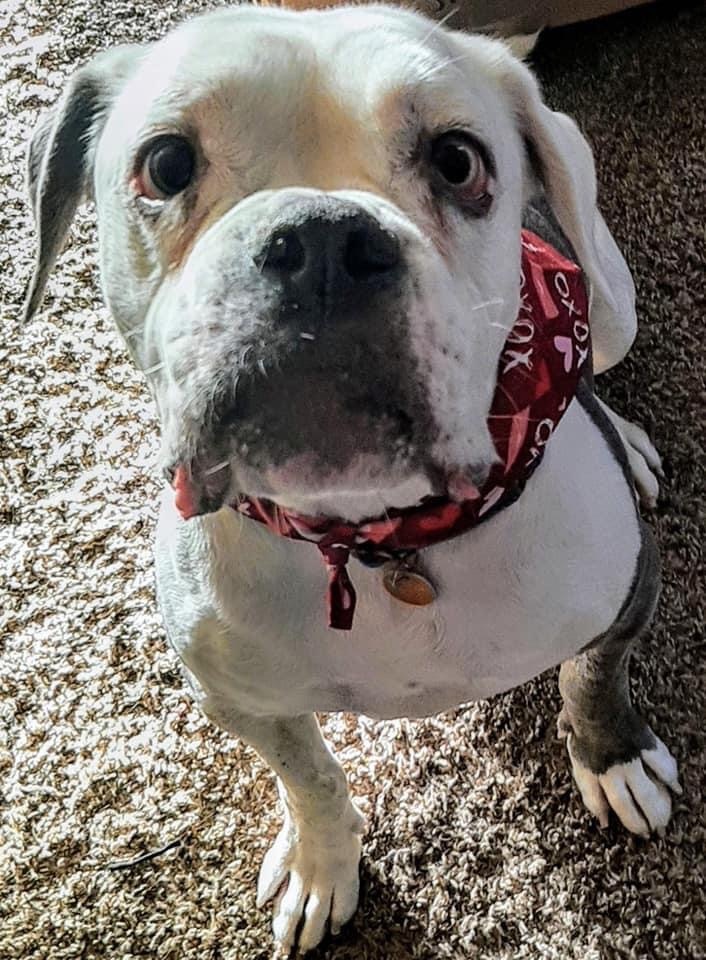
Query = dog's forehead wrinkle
x=248 y=57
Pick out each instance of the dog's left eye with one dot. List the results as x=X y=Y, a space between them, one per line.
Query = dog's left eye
x=167 y=168
x=461 y=169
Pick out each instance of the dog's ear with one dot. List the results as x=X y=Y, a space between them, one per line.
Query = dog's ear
x=60 y=156
x=564 y=168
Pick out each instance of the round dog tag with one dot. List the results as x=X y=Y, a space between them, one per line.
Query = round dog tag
x=409 y=586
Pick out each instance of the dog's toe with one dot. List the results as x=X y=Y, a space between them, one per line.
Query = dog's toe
x=636 y=437
x=316 y=916
x=312 y=873
x=662 y=764
x=645 y=463
x=592 y=794
x=645 y=480
x=642 y=803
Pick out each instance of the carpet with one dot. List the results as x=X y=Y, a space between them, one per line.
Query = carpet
x=478 y=845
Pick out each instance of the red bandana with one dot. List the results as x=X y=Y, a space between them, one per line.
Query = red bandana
x=538 y=373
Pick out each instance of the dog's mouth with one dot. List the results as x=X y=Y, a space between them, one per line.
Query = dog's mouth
x=307 y=435
x=203 y=490
x=196 y=494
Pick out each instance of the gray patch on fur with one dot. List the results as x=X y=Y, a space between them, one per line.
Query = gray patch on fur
x=594 y=685
x=539 y=217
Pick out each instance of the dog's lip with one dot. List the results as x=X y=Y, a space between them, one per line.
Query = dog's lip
x=198 y=491
x=196 y=494
x=185 y=499
x=461 y=485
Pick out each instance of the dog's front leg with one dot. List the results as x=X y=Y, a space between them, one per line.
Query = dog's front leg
x=312 y=868
x=617 y=760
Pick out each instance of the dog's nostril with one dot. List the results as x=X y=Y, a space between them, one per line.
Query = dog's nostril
x=285 y=252
x=371 y=251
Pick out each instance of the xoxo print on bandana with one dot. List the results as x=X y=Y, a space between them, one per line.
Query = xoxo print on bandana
x=538 y=372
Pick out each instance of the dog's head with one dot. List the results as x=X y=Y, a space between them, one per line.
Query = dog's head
x=310 y=239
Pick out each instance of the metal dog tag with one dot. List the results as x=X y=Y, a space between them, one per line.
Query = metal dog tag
x=409 y=586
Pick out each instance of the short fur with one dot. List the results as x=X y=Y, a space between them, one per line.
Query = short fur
x=216 y=336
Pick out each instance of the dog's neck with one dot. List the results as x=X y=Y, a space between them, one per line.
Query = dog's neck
x=538 y=373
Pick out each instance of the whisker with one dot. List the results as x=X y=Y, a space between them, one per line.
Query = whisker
x=385 y=514
x=380 y=497
x=437 y=26
x=154 y=368
x=442 y=66
x=498 y=301
x=218 y=466
x=508 y=396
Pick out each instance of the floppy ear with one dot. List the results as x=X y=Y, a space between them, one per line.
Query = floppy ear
x=60 y=156
x=567 y=173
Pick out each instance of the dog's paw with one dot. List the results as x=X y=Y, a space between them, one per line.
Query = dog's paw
x=645 y=462
x=642 y=802
x=312 y=873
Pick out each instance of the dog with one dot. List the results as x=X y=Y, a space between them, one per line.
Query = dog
x=311 y=240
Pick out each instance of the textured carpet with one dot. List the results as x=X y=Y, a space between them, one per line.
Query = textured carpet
x=478 y=843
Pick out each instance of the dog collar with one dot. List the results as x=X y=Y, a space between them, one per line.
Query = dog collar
x=538 y=373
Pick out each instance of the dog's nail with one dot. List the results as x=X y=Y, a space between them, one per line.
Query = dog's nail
x=676 y=787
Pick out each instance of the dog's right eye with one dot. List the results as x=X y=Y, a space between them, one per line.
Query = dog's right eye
x=167 y=169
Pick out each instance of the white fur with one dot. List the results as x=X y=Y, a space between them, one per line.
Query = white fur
x=517 y=595
x=313 y=876
x=642 y=803
x=289 y=106
x=645 y=462
x=339 y=131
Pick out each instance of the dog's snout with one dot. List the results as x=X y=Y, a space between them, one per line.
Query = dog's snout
x=329 y=257
x=371 y=251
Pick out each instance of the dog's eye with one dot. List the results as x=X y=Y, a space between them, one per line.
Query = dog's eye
x=167 y=169
x=460 y=167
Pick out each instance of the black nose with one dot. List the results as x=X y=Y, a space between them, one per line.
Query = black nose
x=329 y=256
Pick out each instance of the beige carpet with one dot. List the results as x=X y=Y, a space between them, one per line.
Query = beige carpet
x=478 y=845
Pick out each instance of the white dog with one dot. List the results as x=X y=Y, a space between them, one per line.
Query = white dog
x=310 y=239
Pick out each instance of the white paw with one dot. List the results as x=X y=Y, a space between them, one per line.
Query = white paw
x=637 y=439
x=312 y=872
x=645 y=480
x=642 y=803
x=645 y=462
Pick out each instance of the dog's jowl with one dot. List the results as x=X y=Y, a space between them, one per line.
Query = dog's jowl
x=390 y=488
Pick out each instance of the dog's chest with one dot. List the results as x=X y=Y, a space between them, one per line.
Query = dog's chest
x=246 y=610
x=267 y=646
